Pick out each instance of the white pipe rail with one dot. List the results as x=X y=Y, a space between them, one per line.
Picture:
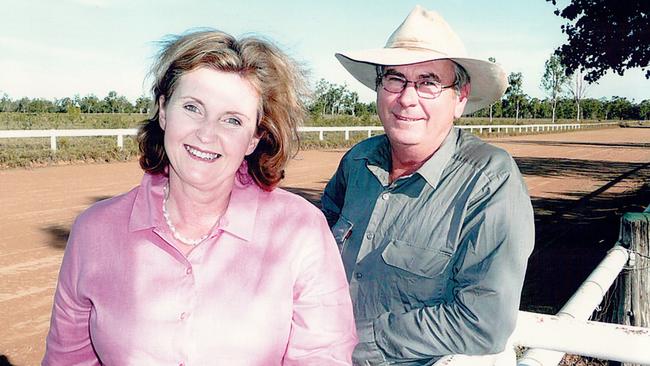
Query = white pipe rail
x=549 y=337
x=120 y=133
x=606 y=341
x=580 y=307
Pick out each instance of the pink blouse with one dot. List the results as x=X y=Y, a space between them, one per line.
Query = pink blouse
x=266 y=288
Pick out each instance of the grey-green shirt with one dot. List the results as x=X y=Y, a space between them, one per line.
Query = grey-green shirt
x=435 y=260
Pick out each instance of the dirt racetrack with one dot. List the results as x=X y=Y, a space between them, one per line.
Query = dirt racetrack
x=580 y=184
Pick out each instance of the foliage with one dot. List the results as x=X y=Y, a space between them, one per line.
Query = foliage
x=331 y=98
x=554 y=80
x=112 y=103
x=514 y=94
x=604 y=35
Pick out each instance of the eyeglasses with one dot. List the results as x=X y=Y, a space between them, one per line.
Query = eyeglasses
x=425 y=88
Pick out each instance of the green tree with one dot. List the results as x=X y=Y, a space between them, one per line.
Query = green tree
x=65 y=105
x=592 y=109
x=605 y=35
x=620 y=108
x=514 y=93
x=644 y=110
x=492 y=60
x=143 y=104
x=577 y=87
x=110 y=102
x=333 y=99
x=6 y=104
x=40 y=105
x=123 y=105
x=90 y=104
x=553 y=81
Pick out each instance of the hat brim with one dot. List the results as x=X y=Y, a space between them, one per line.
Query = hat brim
x=488 y=80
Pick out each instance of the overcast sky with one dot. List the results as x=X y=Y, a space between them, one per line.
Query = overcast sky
x=58 y=48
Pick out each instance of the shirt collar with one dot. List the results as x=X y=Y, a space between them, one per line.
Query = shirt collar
x=238 y=220
x=432 y=169
x=378 y=159
x=147 y=207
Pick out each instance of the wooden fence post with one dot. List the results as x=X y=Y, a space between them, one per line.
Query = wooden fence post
x=633 y=305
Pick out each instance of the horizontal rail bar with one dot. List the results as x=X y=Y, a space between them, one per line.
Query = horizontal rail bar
x=587 y=338
x=68 y=133
x=533 y=330
x=134 y=131
x=582 y=304
x=120 y=133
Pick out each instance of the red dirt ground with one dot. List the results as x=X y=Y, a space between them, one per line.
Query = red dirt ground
x=580 y=184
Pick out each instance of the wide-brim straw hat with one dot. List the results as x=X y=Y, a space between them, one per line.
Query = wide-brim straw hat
x=425 y=36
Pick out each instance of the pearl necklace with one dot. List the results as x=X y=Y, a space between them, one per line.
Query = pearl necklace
x=177 y=236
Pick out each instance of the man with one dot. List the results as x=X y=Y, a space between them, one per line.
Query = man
x=435 y=226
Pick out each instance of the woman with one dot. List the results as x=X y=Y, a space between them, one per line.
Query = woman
x=206 y=262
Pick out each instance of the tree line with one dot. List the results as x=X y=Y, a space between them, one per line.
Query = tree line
x=112 y=103
x=565 y=99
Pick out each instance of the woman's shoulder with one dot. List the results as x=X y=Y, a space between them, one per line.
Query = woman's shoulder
x=292 y=202
x=298 y=198
x=109 y=210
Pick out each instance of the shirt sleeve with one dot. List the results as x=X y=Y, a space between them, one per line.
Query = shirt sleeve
x=496 y=240
x=322 y=330
x=334 y=195
x=68 y=341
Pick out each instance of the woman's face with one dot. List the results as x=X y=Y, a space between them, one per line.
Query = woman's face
x=210 y=126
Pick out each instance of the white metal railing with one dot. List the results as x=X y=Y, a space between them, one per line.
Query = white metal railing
x=120 y=133
x=53 y=134
x=549 y=337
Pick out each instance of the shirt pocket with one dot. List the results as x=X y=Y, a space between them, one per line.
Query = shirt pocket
x=424 y=262
x=342 y=230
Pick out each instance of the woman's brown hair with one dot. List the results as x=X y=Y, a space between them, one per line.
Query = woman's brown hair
x=278 y=80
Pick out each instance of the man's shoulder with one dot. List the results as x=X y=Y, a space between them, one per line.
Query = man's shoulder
x=368 y=147
x=482 y=155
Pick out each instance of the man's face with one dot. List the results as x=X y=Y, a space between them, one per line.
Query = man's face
x=412 y=121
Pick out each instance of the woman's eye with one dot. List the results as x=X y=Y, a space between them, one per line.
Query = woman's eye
x=233 y=121
x=191 y=108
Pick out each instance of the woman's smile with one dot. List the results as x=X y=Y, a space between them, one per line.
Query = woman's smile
x=201 y=154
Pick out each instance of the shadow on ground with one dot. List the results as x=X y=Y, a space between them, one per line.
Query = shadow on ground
x=634 y=145
x=4 y=361
x=575 y=233
x=59 y=233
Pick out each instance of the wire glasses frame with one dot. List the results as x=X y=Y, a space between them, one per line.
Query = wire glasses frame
x=425 y=88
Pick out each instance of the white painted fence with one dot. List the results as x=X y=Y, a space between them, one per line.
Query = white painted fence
x=120 y=133
x=53 y=134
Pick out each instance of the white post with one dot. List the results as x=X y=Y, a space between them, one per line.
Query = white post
x=53 y=141
x=120 y=142
x=369 y=133
x=347 y=135
x=320 y=135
